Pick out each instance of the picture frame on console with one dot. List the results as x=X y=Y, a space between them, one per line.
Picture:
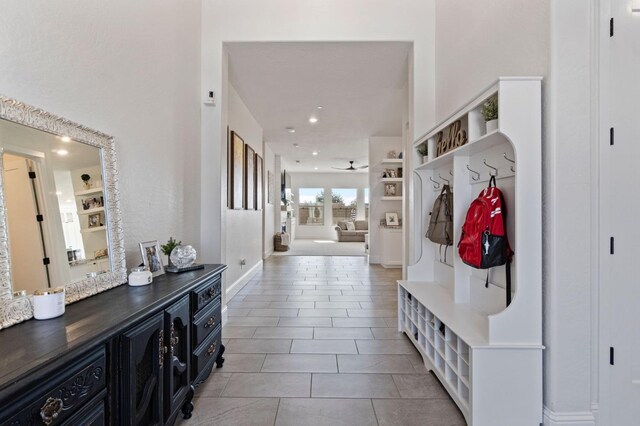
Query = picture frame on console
x=151 y=252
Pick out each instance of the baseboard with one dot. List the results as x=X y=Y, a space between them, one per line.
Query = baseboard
x=374 y=260
x=584 y=418
x=267 y=254
x=234 y=288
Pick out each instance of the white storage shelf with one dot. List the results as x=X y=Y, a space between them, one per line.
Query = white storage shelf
x=487 y=357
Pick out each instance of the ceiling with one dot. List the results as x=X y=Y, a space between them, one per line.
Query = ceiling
x=361 y=87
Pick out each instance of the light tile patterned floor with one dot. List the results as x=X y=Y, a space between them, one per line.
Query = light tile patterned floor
x=314 y=341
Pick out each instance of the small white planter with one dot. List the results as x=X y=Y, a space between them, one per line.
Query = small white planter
x=492 y=125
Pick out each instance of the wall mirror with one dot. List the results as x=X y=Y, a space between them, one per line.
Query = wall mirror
x=59 y=213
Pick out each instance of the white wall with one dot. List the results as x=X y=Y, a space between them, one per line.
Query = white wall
x=244 y=227
x=270 y=209
x=360 y=181
x=378 y=149
x=477 y=41
x=292 y=20
x=129 y=69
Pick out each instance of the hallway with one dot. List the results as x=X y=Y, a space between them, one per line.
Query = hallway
x=313 y=340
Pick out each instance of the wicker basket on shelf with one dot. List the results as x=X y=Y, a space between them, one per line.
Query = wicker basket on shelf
x=277 y=243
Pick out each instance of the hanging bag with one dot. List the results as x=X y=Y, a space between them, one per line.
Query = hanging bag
x=440 y=229
x=484 y=243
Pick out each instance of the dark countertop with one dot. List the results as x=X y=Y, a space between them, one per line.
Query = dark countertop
x=32 y=345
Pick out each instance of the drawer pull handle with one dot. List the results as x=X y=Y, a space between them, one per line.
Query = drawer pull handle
x=211 y=349
x=50 y=410
x=210 y=323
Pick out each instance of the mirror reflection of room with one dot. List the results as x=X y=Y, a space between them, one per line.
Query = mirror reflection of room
x=54 y=204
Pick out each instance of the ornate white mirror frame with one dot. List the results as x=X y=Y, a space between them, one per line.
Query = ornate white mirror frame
x=17 y=309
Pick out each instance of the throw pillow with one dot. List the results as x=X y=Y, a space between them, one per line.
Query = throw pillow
x=351 y=226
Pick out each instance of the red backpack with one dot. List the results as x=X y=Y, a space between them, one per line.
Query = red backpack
x=484 y=243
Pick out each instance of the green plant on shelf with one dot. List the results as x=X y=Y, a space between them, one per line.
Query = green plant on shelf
x=490 y=109
x=423 y=149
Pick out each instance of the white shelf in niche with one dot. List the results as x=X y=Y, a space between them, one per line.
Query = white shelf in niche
x=96 y=229
x=391 y=180
x=396 y=161
x=88 y=192
x=91 y=211
x=389 y=198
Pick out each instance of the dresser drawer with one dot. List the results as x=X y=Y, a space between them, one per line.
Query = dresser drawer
x=205 y=293
x=65 y=394
x=205 y=322
x=207 y=352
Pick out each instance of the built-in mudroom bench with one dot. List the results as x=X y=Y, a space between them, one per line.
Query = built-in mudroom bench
x=127 y=356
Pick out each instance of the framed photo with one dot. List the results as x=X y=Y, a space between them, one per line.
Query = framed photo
x=390 y=190
x=392 y=219
x=150 y=251
x=236 y=172
x=94 y=220
x=259 y=183
x=271 y=188
x=391 y=173
x=249 y=178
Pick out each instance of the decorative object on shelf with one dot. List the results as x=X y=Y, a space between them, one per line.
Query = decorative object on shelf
x=48 y=303
x=423 y=149
x=168 y=248
x=94 y=220
x=400 y=156
x=183 y=256
x=140 y=276
x=150 y=251
x=390 y=190
x=99 y=254
x=236 y=173
x=399 y=172
x=92 y=203
x=86 y=181
x=456 y=137
x=259 y=183
x=490 y=113
x=271 y=189
x=249 y=178
x=392 y=154
x=391 y=219
x=390 y=173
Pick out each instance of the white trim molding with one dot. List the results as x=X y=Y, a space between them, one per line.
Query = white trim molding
x=584 y=418
x=234 y=288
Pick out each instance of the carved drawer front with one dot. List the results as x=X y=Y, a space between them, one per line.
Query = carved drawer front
x=205 y=322
x=205 y=293
x=206 y=352
x=65 y=394
x=92 y=414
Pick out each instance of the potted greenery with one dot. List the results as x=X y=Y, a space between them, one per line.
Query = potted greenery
x=86 y=180
x=168 y=248
x=490 y=113
x=423 y=150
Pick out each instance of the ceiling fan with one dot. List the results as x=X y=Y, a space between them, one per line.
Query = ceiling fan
x=350 y=168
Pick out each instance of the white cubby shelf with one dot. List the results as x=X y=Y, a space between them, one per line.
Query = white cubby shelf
x=487 y=356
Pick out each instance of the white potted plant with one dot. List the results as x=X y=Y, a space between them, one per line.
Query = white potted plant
x=490 y=113
x=423 y=150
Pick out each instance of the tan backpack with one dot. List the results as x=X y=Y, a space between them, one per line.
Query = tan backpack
x=440 y=229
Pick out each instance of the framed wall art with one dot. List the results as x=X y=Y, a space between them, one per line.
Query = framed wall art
x=249 y=178
x=236 y=172
x=271 y=188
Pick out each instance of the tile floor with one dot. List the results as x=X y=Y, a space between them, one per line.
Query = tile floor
x=314 y=341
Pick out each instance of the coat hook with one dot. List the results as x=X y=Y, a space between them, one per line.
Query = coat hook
x=451 y=173
x=473 y=171
x=504 y=154
x=446 y=180
x=435 y=182
x=491 y=167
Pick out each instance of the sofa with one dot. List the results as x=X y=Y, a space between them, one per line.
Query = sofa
x=360 y=229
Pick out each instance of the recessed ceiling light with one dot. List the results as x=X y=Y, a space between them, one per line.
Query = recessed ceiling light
x=314 y=153
x=58 y=193
x=65 y=139
x=291 y=130
x=62 y=152
x=295 y=145
x=315 y=168
x=319 y=107
x=313 y=120
x=297 y=161
x=68 y=201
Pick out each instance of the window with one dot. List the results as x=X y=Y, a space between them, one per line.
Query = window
x=311 y=206
x=344 y=204
x=366 y=203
